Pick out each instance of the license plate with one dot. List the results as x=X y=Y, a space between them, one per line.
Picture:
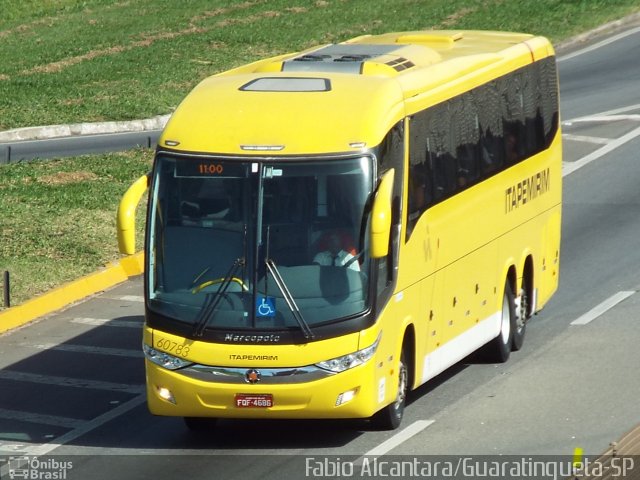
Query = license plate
x=254 y=401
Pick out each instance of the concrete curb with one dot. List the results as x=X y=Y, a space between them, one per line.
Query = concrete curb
x=79 y=129
x=58 y=298
x=592 y=36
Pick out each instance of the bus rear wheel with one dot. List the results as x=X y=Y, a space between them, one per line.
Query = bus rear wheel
x=522 y=313
x=499 y=349
x=390 y=417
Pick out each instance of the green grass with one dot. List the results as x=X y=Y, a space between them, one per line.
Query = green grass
x=58 y=217
x=68 y=61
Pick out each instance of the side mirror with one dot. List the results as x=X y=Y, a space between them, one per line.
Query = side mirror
x=381 y=216
x=126 y=219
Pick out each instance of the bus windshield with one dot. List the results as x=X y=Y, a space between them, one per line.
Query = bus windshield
x=254 y=245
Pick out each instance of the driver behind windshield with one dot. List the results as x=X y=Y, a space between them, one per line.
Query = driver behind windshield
x=336 y=256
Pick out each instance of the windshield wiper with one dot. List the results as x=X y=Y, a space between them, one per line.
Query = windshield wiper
x=272 y=268
x=291 y=303
x=212 y=301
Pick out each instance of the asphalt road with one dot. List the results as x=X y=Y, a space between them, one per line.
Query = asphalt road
x=72 y=385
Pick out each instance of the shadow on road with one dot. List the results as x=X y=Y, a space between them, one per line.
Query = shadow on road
x=73 y=386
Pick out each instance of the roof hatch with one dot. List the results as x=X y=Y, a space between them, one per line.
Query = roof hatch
x=359 y=59
x=287 y=84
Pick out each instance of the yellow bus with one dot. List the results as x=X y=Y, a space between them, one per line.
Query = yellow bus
x=328 y=230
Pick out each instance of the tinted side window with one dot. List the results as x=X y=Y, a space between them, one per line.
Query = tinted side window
x=420 y=189
x=473 y=136
x=487 y=99
x=548 y=97
x=390 y=154
x=466 y=140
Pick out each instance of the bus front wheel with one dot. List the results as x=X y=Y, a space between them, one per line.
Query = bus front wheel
x=390 y=417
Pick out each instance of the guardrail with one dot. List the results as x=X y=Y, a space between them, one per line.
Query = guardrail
x=76 y=145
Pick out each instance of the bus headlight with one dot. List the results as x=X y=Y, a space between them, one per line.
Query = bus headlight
x=163 y=359
x=351 y=360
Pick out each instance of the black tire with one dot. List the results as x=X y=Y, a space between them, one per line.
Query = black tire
x=522 y=313
x=200 y=425
x=390 y=417
x=499 y=349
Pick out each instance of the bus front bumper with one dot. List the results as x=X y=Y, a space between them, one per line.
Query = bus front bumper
x=354 y=393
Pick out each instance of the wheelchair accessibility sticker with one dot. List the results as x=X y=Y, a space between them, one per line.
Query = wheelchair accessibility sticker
x=265 y=307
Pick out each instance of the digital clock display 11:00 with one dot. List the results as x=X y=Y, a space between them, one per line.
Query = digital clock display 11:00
x=209 y=168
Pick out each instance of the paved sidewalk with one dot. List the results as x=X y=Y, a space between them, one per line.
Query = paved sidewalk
x=620 y=461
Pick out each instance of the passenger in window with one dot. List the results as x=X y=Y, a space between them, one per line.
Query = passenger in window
x=489 y=165
x=491 y=152
x=336 y=256
x=417 y=198
x=511 y=148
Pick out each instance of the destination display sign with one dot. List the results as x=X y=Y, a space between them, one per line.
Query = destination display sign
x=191 y=167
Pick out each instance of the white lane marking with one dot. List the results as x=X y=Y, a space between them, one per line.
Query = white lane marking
x=70 y=382
x=570 y=167
x=600 y=44
x=607 y=113
x=585 y=139
x=87 y=427
x=399 y=438
x=52 y=420
x=616 y=111
x=65 y=347
x=598 y=310
x=9 y=448
x=99 y=322
x=130 y=298
x=603 y=118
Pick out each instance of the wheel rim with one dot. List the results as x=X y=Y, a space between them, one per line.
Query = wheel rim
x=402 y=389
x=522 y=310
x=505 y=328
